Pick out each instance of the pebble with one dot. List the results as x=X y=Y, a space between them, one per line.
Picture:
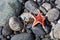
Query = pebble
x=31 y=6
x=15 y=24
x=47 y=6
x=52 y=14
x=23 y=36
x=37 y=30
x=25 y=16
x=43 y=10
x=57 y=31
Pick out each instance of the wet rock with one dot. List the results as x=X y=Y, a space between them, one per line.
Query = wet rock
x=15 y=24
x=47 y=6
x=57 y=2
x=52 y=14
x=23 y=36
x=43 y=10
x=57 y=31
x=31 y=6
x=37 y=30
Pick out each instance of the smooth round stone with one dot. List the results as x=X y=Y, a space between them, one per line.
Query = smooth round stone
x=31 y=6
x=52 y=14
x=23 y=36
x=25 y=16
x=15 y=24
x=47 y=6
x=37 y=30
x=57 y=31
x=57 y=2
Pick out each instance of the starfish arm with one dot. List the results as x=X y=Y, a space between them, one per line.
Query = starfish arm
x=33 y=16
x=34 y=23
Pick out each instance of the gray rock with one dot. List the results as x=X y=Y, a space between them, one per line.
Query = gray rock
x=23 y=36
x=57 y=31
x=15 y=24
x=6 y=11
x=6 y=30
x=25 y=16
x=53 y=14
x=57 y=2
x=43 y=10
x=47 y=6
x=31 y=6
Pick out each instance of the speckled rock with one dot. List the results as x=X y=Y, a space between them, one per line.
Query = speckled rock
x=15 y=24
x=57 y=31
x=31 y=6
x=6 y=11
x=23 y=36
x=53 y=14
x=47 y=6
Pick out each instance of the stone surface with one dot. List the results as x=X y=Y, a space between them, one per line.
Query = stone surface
x=58 y=6
x=23 y=36
x=15 y=24
x=57 y=2
x=6 y=11
x=37 y=30
x=47 y=6
x=31 y=6
x=25 y=16
x=57 y=31
x=53 y=14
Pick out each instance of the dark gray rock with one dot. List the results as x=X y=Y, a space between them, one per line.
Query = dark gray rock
x=15 y=24
x=31 y=6
x=38 y=30
x=23 y=36
x=53 y=14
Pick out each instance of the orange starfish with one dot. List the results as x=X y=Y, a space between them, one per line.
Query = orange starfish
x=38 y=19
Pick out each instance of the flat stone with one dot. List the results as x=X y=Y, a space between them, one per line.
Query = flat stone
x=23 y=36
x=31 y=6
x=52 y=14
x=15 y=24
x=47 y=6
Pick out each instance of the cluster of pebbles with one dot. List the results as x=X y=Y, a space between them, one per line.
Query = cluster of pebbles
x=16 y=21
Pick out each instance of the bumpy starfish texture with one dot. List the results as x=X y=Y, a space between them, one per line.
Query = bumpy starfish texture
x=38 y=19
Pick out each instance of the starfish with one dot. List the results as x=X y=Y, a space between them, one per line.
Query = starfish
x=38 y=19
